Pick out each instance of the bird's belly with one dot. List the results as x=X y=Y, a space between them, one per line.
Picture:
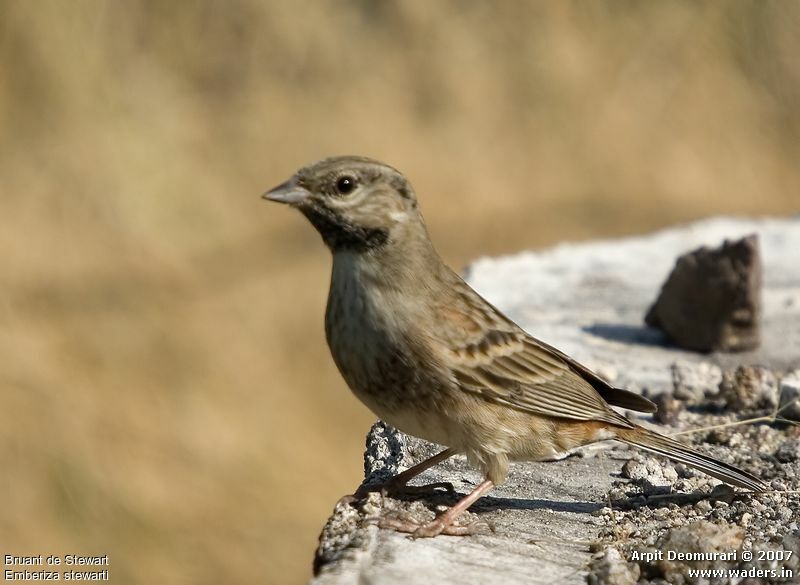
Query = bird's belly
x=423 y=424
x=401 y=398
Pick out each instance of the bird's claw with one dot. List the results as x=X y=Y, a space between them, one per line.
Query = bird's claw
x=432 y=528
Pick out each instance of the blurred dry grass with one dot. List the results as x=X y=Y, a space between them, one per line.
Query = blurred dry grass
x=167 y=397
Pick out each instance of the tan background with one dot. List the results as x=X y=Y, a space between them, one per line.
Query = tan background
x=167 y=397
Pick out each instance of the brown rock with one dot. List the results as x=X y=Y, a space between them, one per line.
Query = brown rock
x=711 y=300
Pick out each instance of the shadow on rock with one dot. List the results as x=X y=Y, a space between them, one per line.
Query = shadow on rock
x=636 y=334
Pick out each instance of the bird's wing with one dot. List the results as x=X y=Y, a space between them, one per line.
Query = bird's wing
x=492 y=357
x=614 y=396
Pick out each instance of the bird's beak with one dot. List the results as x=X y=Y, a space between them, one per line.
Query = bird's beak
x=289 y=192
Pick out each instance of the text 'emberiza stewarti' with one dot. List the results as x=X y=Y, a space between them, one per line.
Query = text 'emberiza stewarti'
x=429 y=356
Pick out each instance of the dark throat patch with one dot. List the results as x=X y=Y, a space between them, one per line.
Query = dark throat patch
x=339 y=234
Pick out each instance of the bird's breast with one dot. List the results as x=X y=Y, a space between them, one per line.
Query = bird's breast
x=370 y=331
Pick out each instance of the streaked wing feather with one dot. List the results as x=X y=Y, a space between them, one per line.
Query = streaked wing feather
x=519 y=373
x=494 y=358
x=615 y=396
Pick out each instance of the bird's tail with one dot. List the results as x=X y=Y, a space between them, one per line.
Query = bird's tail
x=671 y=449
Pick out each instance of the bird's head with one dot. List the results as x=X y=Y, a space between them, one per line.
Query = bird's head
x=357 y=204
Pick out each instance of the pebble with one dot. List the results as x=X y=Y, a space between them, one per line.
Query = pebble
x=703 y=506
x=788 y=452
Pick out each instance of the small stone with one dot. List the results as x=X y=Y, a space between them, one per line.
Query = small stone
x=735 y=440
x=722 y=490
x=788 y=451
x=384 y=454
x=655 y=488
x=668 y=408
x=778 y=485
x=692 y=381
x=685 y=472
x=651 y=475
x=749 y=388
x=635 y=470
x=661 y=514
x=703 y=506
x=612 y=569
x=617 y=494
x=745 y=519
x=711 y=301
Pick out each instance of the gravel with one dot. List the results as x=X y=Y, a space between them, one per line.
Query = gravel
x=655 y=507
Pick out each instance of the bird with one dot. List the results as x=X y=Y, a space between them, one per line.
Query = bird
x=431 y=357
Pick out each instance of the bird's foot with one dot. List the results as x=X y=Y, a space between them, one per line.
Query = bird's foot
x=433 y=528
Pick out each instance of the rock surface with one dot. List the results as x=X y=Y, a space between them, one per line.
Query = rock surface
x=536 y=525
x=546 y=522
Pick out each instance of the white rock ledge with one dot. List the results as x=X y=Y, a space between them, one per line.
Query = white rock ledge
x=589 y=300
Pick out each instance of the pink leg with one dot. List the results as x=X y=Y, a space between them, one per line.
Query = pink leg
x=401 y=479
x=398 y=484
x=442 y=524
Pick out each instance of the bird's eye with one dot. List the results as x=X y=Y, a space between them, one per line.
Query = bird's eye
x=345 y=185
